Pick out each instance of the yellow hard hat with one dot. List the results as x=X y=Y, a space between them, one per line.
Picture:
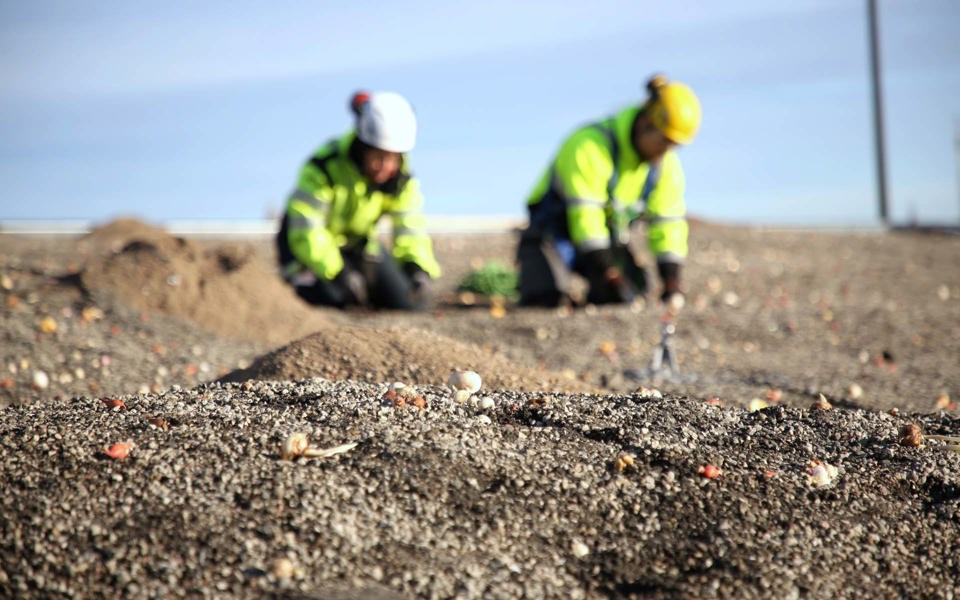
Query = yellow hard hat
x=673 y=108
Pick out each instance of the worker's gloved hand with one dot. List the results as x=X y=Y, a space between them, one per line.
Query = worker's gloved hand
x=673 y=302
x=619 y=288
x=421 y=282
x=671 y=296
x=353 y=284
x=607 y=282
x=418 y=277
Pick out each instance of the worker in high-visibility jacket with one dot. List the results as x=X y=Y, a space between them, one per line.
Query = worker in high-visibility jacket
x=328 y=245
x=607 y=176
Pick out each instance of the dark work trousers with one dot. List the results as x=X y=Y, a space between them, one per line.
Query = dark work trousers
x=546 y=265
x=387 y=286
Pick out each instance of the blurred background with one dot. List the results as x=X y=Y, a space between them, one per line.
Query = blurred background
x=181 y=110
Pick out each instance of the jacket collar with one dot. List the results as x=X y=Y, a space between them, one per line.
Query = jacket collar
x=354 y=151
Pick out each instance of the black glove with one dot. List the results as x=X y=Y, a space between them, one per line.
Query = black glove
x=418 y=277
x=421 y=282
x=607 y=282
x=597 y=261
x=671 y=296
x=353 y=285
x=619 y=288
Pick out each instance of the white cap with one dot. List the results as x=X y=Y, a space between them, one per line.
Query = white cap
x=387 y=122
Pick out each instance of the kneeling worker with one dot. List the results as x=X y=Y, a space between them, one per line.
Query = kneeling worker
x=605 y=176
x=327 y=244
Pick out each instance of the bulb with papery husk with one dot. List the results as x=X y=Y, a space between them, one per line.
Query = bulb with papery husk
x=821 y=403
x=820 y=473
x=119 y=451
x=298 y=445
x=624 y=461
x=295 y=445
x=911 y=435
x=709 y=471
x=579 y=549
x=400 y=395
x=282 y=568
x=467 y=381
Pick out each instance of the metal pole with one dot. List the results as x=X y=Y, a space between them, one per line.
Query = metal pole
x=874 y=35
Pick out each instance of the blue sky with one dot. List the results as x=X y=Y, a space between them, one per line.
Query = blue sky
x=183 y=110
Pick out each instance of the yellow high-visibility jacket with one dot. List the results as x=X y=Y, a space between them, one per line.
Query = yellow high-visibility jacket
x=596 y=186
x=334 y=206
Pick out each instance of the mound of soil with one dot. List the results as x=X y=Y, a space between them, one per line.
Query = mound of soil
x=225 y=289
x=396 y=354
x=229 y=291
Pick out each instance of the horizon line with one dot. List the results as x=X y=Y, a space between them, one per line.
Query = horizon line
x=436 y=225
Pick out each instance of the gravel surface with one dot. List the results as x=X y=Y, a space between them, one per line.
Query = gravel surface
x=561 y=478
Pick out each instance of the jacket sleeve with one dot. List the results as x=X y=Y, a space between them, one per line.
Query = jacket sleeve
x=583 y=167
x=666 y=214
x=411 y=243
x=310 y=241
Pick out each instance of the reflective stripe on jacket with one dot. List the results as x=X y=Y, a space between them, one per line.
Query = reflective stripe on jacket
x=595 y=187
x=334 y=207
